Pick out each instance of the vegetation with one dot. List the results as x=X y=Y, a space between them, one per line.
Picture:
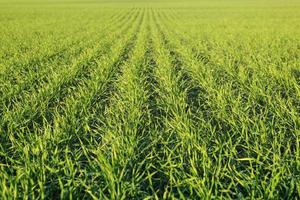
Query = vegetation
x=149 y=100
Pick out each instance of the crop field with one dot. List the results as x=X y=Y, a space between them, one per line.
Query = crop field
x=136 y=99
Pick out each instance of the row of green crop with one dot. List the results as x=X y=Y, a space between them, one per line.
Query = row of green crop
x=57 y=83
x=154 y=103
x=242 y=121
x=31 y=39
x=28 y=76
x=56 y=104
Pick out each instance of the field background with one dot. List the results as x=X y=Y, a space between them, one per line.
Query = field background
x=150 y=99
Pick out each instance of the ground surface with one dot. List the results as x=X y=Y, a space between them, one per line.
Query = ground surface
x=136 y=99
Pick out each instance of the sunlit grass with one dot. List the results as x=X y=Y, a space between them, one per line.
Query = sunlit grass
x=149 y=100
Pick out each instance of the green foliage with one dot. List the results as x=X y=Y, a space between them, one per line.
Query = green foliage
x=149 y=100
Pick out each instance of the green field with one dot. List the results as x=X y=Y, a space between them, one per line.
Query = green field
x=136 y=99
